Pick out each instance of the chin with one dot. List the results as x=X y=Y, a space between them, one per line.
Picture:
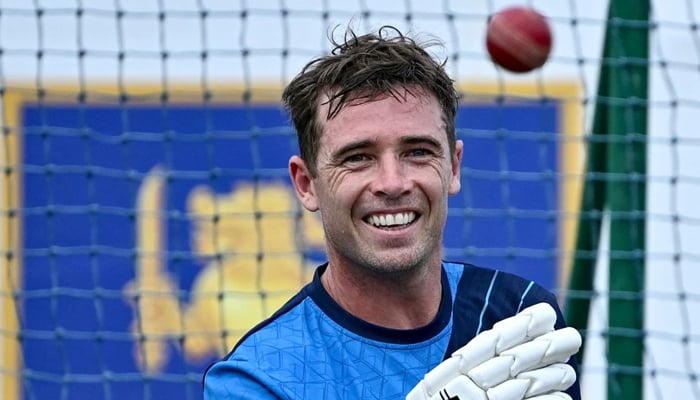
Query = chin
x=393 y=266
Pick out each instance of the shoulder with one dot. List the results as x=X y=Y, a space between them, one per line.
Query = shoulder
x=266 y=359
x=483 y=296
x=473 y=280
x=282 y=330
x=260 y=360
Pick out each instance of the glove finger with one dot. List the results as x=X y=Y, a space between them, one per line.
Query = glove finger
x=540 y=318
x=513 y=389
x=524 y=342
x=551 y=396
x=534 y=383
x=553 y=347
x=552 y=378
x=460 y=388
x=525 y=325
x=481 y=348
x=440 y=376
x=492 y=372
x=531 y=322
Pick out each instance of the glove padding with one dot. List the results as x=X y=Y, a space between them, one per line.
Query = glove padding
x=521 y=357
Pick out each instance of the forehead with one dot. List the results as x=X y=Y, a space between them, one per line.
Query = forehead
x=383 y=119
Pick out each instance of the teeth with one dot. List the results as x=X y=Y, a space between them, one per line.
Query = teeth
x=392 y=219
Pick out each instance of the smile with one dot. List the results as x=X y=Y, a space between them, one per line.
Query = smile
x=391 y=220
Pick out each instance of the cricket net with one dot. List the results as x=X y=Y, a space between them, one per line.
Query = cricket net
x=148 y=222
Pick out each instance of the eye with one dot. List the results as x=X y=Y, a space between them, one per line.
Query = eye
x=420 y=152
x=356 y=158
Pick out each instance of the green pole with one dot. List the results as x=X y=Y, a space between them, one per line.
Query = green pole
x=580 y=287
x=628 y=50
x=615 y=181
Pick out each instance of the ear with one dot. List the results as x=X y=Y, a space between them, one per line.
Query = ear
x=455 y=182
x=303 y=185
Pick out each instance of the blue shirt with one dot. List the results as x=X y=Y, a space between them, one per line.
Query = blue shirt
x=313 y=349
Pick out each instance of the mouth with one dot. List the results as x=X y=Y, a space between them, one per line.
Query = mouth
x=391 y=220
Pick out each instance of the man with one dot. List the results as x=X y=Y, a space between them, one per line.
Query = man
x=378 y=159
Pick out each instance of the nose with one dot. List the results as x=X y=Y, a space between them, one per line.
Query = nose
x=391 y=178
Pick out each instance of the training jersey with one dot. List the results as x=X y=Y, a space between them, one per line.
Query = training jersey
x=313 y=349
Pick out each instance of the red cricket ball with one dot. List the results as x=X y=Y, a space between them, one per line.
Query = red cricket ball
x=518 y=39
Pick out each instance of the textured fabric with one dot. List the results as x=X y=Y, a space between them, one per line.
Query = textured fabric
x=312 y=349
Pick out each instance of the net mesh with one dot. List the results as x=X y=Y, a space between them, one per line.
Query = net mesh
x=148 y=222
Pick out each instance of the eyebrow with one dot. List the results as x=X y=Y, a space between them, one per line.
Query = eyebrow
x=421 y=140
x=405 y=140
x=338 y=154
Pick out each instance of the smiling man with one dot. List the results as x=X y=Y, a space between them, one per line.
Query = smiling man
x=383 y=173
x=378 y=160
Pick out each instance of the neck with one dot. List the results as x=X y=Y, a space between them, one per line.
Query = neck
x=405 y=302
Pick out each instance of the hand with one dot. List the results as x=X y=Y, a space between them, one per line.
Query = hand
x=521 y=357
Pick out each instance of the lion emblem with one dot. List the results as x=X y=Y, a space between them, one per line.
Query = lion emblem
x=250 y=244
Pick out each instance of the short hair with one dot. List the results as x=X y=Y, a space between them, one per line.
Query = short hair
x=364 y=68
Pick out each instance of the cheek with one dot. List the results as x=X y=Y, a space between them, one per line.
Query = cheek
x=338 y=185
x=439 y=185
x=442 y=176
x=331 y=195
x=335 y=179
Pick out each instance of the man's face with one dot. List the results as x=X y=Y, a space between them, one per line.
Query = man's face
x=384 y=174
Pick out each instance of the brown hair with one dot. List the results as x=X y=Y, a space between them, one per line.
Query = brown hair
x=363 y=68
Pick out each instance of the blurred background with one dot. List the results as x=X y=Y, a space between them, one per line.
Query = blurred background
x=147 y=220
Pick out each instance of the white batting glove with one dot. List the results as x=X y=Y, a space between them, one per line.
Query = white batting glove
x=521 y=357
